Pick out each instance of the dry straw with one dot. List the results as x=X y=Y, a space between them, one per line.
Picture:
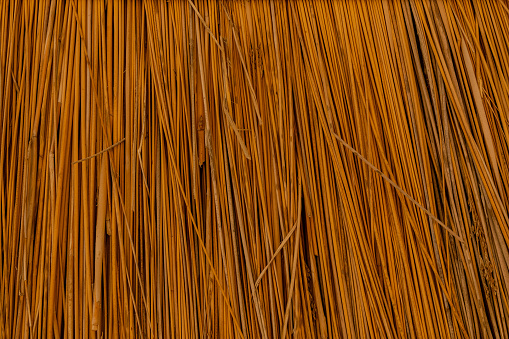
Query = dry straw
x=254 y=169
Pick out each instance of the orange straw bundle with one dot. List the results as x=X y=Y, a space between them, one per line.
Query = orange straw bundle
x=254 y=169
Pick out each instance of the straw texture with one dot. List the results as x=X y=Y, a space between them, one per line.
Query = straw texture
x=254 y=169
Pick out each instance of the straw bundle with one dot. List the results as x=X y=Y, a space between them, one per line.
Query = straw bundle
x=254 y=169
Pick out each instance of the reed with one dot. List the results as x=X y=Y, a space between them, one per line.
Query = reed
x=254 y=169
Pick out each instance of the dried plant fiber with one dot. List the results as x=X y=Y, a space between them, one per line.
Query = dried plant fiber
x=254 y=169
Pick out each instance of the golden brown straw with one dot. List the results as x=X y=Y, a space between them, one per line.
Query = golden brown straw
x=254 y=169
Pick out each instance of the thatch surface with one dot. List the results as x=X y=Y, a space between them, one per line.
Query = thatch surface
x=255 y=169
